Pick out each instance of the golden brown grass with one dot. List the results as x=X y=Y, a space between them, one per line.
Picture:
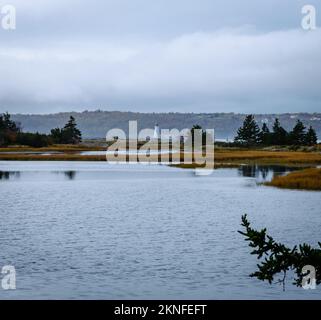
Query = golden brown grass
x=72 y=156
x=223 y=157
x=308 y=179
x=55 y=148
x=268 y=157
x=195 y=166
x=227 y=158
x=51 y=157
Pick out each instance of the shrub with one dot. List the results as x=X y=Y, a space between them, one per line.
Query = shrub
x=35 y=140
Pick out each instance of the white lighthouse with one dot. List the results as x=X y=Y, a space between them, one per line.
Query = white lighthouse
x=157 y=134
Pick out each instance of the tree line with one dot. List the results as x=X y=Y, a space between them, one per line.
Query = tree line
x=11 y=133
x=250 y=134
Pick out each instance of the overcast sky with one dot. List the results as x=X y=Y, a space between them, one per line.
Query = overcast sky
x=160 y=55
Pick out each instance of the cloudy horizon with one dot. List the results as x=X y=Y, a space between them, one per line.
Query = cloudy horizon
x=169 y=56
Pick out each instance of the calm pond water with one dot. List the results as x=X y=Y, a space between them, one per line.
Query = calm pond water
x=94 y=230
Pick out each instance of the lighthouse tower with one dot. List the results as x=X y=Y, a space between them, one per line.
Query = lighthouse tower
x=157 y=134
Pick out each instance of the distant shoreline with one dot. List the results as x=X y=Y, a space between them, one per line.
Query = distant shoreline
x=95 y=124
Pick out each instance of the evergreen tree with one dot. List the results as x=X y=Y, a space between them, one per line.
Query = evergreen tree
x=280 y=135
x=297 y=135
x=9 y=124
x=205 y=136
x=71 y=134
x=265 y=135
x=56 y=135
x=11 y=133
x=68 y=134
x=249 y=132
x=311 y=137
x=8 y=130
x=276 y=258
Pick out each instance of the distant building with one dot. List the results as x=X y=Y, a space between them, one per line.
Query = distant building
x=162 y=136
x=157 y=134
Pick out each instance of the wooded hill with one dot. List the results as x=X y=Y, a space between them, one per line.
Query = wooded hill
x=95 y=124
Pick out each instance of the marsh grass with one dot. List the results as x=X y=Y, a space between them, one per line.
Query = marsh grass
x=233 y=158
x=52 y=157
x=268 y=157
x=53 y=148
x=308 y=179
x=223 y=157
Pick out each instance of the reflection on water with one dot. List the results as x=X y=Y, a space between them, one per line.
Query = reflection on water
x=70 y=174
x=264 y=173
x=6 y=175
x=17 y=175
x=260 y=173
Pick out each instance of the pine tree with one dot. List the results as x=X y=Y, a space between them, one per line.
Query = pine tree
x=8 y=123
x=280 y=135
x=8 y=130
x=265 y=135
x=311 y=137
x=276 y=258
x=206 y=137
x=249 y=132
x=56 y=135
x=70 y=132
x=297 y=135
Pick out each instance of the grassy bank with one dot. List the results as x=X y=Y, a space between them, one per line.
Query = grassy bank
x=227 y=158
x=223 y=157
x=52 y=157
x=268 y=157
x=308 y=179
x=54 y=148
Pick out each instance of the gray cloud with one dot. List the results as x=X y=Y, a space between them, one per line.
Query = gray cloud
x=130 y=55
